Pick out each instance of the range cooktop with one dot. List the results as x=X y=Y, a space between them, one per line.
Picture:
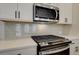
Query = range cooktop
x=44 y=40
x=47 y=38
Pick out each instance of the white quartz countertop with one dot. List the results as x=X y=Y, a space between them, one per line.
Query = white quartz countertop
x=18 y=43
x=70 y=37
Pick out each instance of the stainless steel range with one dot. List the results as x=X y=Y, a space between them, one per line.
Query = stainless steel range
x=51 y=45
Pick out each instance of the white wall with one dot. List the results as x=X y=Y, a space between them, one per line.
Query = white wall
x=39 y=29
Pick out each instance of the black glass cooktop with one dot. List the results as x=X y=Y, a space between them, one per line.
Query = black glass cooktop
x=46 y=38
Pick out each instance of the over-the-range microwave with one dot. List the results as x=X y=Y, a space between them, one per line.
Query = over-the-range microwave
x=45 y=13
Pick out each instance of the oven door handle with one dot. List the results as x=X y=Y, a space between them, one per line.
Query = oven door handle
x=53 y=51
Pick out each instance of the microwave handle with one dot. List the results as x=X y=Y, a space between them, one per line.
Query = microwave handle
x=56 y=14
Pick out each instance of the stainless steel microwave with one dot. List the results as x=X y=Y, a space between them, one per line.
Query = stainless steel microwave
x=45 y=12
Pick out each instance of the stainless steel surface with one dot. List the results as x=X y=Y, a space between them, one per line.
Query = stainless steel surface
x=46 y=6
x=49 y=44
x=56 y=14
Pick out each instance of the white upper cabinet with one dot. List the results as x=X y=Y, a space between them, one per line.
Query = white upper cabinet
x=8 y=10
x=25 y=11
x=16 y=12
x=65 y=12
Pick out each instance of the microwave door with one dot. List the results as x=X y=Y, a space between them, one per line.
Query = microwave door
x=45 y=14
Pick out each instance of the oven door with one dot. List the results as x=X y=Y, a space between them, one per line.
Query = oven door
x=56 y=51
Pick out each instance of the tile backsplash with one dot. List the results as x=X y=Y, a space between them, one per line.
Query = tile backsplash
x=22 y=30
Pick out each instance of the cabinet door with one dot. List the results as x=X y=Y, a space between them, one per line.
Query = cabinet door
x=77 y=50
x=74 y=49
x=25 y=11
x=8 y=10
x=65 y=13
